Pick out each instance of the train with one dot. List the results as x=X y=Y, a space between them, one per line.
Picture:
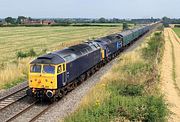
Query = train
x=54 y=74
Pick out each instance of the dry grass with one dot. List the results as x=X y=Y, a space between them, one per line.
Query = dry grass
x=13 y=72
x=14 y=39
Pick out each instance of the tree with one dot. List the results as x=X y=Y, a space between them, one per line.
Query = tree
x=102 y=20
x=10 y=20
x=125 y=26
x=166 y=21
x=115 y=20
x=19 y=19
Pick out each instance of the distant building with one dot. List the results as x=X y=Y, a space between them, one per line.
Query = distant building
x=28 y=21
x=48 y=22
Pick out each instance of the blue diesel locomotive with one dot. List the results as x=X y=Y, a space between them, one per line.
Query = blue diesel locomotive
x=54 y=74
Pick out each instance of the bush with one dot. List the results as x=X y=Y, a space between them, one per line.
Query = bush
x=21 y=54
x=30 y=53
x=132 y=90
x=156 y=109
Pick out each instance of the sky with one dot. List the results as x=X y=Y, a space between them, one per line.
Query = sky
x=90 y=8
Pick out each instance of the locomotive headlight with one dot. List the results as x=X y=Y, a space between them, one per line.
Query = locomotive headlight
x=49 y=93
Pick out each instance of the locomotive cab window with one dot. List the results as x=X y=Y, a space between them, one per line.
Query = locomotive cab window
x=48 y=69
x=35 y=68
x=61 y=68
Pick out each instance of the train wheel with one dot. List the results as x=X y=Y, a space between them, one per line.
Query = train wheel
x=82 y=78
x=97 y=67
x=70 y=87
x=55 y=99
x=61 y=93
x=92 y=71
x=88 y=74
x=74 y=84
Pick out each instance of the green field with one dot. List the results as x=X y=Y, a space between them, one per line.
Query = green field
x=177 y=31
x=13 y=39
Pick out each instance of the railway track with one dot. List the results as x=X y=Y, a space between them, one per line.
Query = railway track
x=26 y=114
x=12 y=98
x=18 y=96
x=21 y=112
x=42 y=112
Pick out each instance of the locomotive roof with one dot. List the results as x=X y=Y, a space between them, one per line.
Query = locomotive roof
x=107 y=39
x=50 y=58
x=65 y=55
x=112 y=37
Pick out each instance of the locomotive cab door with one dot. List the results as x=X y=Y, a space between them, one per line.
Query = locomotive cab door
x=61 y=71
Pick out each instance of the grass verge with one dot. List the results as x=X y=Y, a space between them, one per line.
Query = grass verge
x=177 y=31
x=129 y=91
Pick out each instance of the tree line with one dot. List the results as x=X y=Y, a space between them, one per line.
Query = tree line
x=167 y=21
x=11 y=20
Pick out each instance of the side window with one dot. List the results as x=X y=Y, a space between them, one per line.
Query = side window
x=64 y=67
x=59 y=70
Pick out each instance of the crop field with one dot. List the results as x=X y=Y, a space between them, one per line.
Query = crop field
x=177 y=31
x=13 y=39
